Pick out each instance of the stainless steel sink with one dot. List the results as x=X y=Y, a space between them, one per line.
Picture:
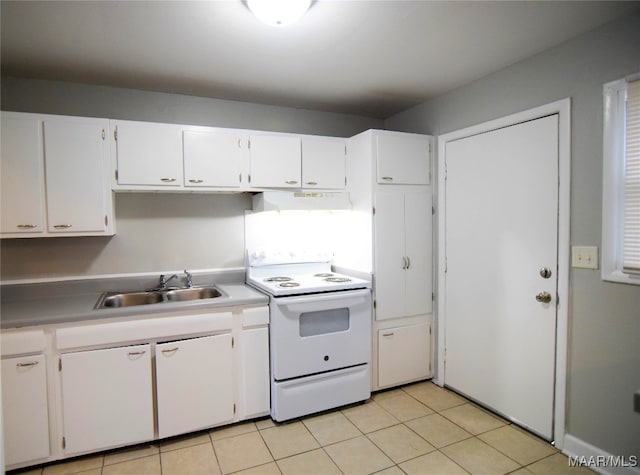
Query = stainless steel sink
x=195 y=293
x=129 y=299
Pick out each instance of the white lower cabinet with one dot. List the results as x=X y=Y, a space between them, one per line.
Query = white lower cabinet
x=26 y=424
x=194 y=384
x=255 y=372
x=404 y=354
x=107 y=398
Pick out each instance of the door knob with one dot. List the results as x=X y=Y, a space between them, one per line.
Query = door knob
x=544 y=297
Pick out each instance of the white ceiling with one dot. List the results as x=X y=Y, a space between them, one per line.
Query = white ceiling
x=372 y=58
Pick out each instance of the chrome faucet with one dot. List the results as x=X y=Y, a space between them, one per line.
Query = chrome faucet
x=189 y=278
x=164 y=281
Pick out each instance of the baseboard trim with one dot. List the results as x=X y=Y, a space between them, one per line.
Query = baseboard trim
x=583 y=454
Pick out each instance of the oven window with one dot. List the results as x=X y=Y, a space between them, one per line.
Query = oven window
x=324 y=321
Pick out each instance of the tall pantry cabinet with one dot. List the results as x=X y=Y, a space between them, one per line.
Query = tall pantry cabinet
x=389 y=177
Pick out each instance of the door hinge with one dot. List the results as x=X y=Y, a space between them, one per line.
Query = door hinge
x=249 y=144
x=345 y=181
x=59 y=364
x=433 y=210
x=115 y=134
x=433 y=297
x=64 y=442
x=374 y=303
x=234 y=408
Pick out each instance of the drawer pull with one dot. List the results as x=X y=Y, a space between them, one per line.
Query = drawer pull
x=26 y=365
x=62 y=226
x=291 y=182
x=27 y=226
x=137 y=353
x=195 y=181
x=312 y=183
x=168 y=180
x=170 y=350
x=387 y=334
x=387 y=178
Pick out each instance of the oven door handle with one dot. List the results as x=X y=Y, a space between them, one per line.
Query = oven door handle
x=342 y=298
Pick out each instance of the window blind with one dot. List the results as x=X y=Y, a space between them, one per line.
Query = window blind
x=631 y=230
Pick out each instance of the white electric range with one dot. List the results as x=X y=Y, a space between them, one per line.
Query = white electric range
x=319 y=334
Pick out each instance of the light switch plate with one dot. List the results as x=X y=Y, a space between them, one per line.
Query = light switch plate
x=584 y=257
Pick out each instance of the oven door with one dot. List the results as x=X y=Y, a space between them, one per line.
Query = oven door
x=321 y=332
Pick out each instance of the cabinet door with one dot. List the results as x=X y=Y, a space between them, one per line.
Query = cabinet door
x=255 y=372
x=323 y=163
x=213 y=159
x=402 y=158
x=21 y=166
x=404 y=354
x=24 y=409
x=194 y=384
x=275 y=161
x=418 y=249
x=148 y=154
x=77 y=188
x=389 y=254
x=107 y=398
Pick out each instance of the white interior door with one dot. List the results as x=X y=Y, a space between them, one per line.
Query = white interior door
x=501 y=229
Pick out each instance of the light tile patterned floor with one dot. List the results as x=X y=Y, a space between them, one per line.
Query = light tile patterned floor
x=417 y=429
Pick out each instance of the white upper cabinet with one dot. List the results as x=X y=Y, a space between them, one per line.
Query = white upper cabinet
x=323 y=163
x=214 y=158
x=148 y=154
x=402 y=158
x=275 y=161
x=76 y=151
x=55 y=176
x=21 y=166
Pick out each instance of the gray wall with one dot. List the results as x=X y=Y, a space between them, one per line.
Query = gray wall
x=604 y=347
x=155 y=232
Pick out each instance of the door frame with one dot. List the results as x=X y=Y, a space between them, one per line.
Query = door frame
x=563 y=109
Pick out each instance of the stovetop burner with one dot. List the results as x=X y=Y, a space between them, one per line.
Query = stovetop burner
x=278 y=279
x=327 y=274
x=288 y=284
x=337 y=279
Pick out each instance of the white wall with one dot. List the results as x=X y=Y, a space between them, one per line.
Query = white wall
x=155 y=231
x=604 y=354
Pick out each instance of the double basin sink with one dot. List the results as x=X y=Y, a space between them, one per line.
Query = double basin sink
x=147 y=297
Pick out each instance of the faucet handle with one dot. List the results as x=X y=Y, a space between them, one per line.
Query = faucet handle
x=189 y=278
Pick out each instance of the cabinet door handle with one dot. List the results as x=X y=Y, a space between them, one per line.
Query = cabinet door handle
x=408 y=262
x=27 y=226
x=168 y=180
x=137 y=353
x=387 y=334
x=387 y=178
x=196 y=181
x=312 y=183
x=170 y=350
x=291 y=182
x=404 y=262
x=62 y=226
x=26 y=365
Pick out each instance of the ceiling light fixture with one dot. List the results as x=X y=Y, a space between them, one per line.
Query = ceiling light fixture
x=278 y=12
